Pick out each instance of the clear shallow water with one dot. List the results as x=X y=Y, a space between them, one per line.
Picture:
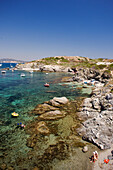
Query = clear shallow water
x=22 y=94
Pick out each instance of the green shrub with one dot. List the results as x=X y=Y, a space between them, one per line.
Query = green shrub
x=101 y=66
x=110 y=67
x=107 y=71
x=64 y=60
x=100 y=59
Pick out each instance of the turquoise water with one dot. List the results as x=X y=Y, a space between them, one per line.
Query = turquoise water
x=22 y=94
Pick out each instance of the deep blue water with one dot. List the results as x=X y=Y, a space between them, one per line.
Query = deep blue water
x=22 y=94
x=6 y=65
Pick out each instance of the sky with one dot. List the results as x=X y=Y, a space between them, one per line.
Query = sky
x=34 y=29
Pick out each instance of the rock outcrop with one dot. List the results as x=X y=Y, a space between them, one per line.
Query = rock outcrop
x=57 y=101
x=43 y=68
x=55 y=68
x=89 y=74
x=52 y=115
x=50 y=110
x=42 y=108
x=97 y=112
x=51 y=107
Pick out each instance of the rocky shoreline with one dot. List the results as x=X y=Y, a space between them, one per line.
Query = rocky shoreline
x=97 y=111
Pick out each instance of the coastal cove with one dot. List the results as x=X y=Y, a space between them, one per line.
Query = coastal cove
x=21 y=95
x=55 y=127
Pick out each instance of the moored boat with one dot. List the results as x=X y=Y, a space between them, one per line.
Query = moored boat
x=46 y=85
x=3 y=71
x=31 y=71
x=22 y=75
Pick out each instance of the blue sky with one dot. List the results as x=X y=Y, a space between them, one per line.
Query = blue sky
x=33 y=29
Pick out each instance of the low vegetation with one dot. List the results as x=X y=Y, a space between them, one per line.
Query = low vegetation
x=75 y=61
x=110 y=67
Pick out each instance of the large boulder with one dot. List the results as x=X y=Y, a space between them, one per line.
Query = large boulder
x=52 y=115
x=85 y=149
x=42 y=108
x=56 y=101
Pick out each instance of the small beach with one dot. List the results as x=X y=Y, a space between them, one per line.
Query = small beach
x=100 y=164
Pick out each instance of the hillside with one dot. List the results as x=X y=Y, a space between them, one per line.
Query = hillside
x=9 y=60
x=64 y=63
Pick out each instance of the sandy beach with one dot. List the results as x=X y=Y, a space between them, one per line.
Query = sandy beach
x=99 y=164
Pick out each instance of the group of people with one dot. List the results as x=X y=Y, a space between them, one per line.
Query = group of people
x=94 y=157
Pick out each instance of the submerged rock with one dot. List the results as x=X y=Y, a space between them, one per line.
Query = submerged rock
x=42 y=128
x=52 y=115
x=42 y=108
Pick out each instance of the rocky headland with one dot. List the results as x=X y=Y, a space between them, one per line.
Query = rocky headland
x=52 y=64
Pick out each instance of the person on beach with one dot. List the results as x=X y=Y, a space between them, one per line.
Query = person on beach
x=94 y=157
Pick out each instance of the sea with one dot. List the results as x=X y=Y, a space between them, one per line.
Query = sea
x=21 y=95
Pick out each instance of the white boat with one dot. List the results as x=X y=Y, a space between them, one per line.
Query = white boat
x=3 y=71
x=22 y=75
x=0 y=65
x=11 y=65
x=31 y=71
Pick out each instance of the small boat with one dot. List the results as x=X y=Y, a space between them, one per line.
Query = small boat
x=46 y=73
x=22 y=75
x=0 y=65
x=14 y=114
x=31 y=71
x=3 y=71
x=46 y=85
